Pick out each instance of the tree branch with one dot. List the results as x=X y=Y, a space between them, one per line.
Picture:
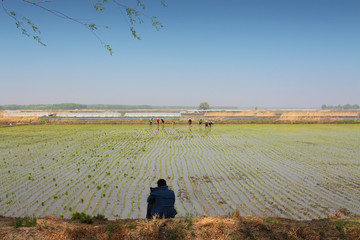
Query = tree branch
x=131 y=15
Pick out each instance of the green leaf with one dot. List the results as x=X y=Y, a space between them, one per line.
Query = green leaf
x=92 y=26
x=34 y=28
x=163 y=3
x=134 y=33
x=109 y=49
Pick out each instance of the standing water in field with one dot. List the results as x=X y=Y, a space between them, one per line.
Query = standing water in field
x=294 y=171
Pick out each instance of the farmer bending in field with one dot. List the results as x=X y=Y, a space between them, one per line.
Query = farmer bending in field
x=161 y=201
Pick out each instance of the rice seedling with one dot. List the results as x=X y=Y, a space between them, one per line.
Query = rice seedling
x=296 y=171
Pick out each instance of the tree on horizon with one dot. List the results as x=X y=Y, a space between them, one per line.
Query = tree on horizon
x=204 y=106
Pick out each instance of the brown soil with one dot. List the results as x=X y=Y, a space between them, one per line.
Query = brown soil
x=227 y=227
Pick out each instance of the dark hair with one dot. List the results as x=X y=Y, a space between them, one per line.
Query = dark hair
x=161 y=182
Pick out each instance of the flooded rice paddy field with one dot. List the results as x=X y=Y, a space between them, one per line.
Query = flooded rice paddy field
x=293 y=171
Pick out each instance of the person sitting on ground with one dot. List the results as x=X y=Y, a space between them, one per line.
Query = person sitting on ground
x=161 y=201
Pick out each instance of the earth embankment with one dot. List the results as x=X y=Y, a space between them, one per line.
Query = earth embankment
x=218 y=117
x=228 y=227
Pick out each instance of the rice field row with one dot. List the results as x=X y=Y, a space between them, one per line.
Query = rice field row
x=293 y=171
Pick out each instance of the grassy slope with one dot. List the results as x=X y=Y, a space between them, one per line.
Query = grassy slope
x=236 y=227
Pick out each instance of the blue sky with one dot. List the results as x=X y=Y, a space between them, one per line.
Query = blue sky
x=244 y=53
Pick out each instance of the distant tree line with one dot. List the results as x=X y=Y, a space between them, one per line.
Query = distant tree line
x=69 y=106
x=73 y=106
x=341 y=107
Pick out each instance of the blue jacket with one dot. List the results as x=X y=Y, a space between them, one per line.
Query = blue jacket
x=163 y=199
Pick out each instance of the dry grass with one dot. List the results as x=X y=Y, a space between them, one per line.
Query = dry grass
x=250 y=116
x=18 y=120
x=286 y=115
x=247 y=113
x=317 y=115
x=148 y=230
x=222 y=228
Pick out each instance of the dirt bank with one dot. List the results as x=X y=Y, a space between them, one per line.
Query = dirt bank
x=218 y=117
x=57 y=121
x=229 y=227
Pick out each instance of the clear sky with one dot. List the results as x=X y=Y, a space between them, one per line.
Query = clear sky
x=244 y=53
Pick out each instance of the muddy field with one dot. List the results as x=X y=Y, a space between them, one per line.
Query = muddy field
x=293 y=171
